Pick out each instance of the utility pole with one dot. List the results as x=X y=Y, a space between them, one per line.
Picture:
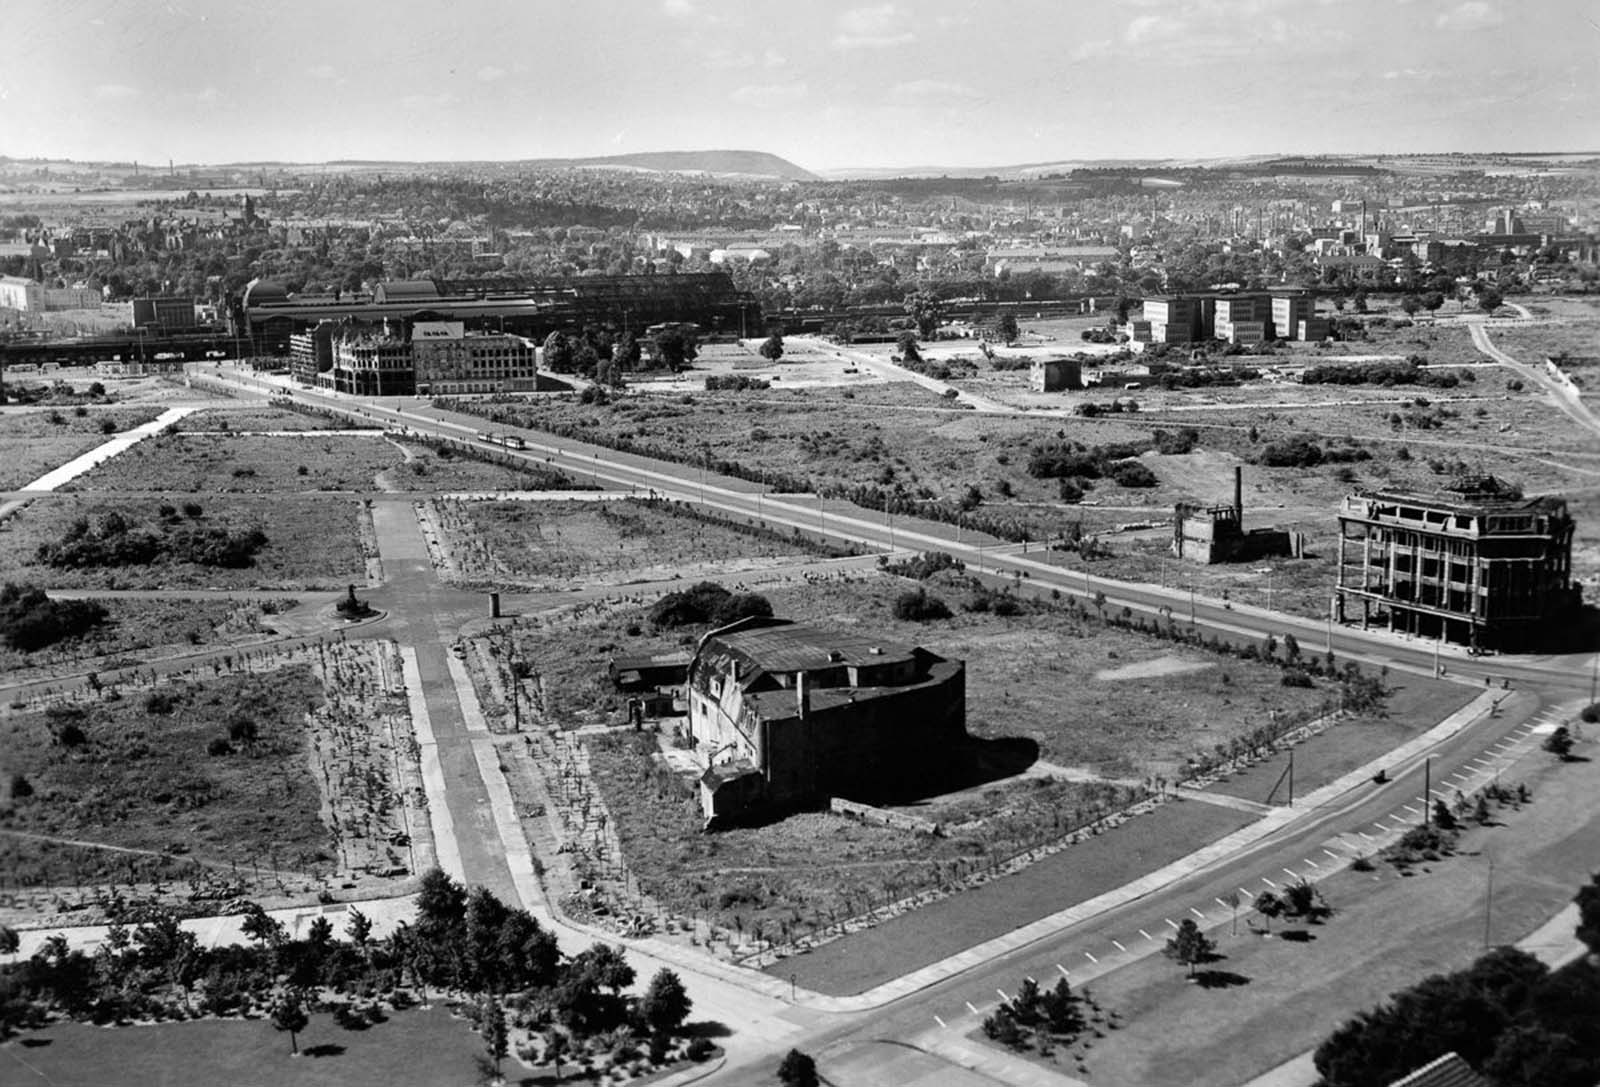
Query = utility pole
x=1291 y=777
x=1427 y=789
x=1488 y=899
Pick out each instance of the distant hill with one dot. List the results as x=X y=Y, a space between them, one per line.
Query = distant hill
x=736 y=163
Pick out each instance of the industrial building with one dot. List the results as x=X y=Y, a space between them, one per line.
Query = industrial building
x=1213 y=534
x=791 y=714
x=370 y=364
x=1055 y=375
x=168 y=313
x=31 y=296
x=1474 y=563
x=1232 y=318
x=266 y=314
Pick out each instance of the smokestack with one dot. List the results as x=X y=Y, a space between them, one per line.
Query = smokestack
x=1238 y=494
x=802 y=696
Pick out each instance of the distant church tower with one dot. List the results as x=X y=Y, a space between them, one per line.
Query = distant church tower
x=249 y=211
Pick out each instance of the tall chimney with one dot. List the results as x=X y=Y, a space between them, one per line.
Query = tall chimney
x=802 y=696
x=1238 y=494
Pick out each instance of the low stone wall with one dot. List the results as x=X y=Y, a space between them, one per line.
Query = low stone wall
x=883 y=817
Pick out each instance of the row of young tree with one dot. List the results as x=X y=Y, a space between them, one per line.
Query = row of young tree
x=466 y=943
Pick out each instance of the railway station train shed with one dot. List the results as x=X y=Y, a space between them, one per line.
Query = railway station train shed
x=1474 y=562
x=793 y=713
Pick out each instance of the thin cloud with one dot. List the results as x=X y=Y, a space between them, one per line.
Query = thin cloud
x=1472 y=15
x=770 y=95
x=489 y=73
x=878 y=27
x=1091 y=50
x=678 y=9
x=111 y=92
x=918 y=92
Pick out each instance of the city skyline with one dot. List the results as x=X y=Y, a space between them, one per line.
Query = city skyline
x=832 y=86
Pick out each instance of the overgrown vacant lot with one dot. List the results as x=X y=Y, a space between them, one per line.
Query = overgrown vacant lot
x=443 y=469
x=1114 y=702
x=797 y=874
x=255 y=464
x=310 y=542
x=33 y=442
x=557 y=542
x=251 y=417
x=133 y=628
x=141 y=773
x=898 y=434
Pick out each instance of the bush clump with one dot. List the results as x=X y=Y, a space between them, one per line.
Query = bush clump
x=917 y=606
x=30 y=620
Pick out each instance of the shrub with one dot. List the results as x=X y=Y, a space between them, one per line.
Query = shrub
x=1295 y=678
x=1130 y=473
x=700 y=1049
x=918 y=607
x=30 y=620
x=219 y=745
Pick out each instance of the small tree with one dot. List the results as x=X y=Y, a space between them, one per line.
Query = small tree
x=1006 y=328
x=772 y=348
x=1443 y=817
x=492 y=1025
x=1269 y=905
x=907 y=343
x=665 y=1004
x=1588 y=900
x=1559 y=743
x=9 y=941
x=555 y=1048
x=797 y=1070
x=289 y=1014
x=1190 y=946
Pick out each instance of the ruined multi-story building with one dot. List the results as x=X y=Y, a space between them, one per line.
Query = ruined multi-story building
x=1475 y=563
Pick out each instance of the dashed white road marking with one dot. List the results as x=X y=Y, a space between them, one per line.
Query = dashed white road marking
x=941 y=1023
x=1064 y=971
x=1197 y=913
x=1331 y=853
x=1146 y=935
x=1090 y=957
x=1312 y=863
x=1292 y=873
x=970 y=1008
x=1171 y=922
x=1118 y=946
x=1268 y=882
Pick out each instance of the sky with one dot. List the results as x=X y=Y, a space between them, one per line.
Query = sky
x=827 y=84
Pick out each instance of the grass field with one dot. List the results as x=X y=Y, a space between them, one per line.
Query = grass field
x=913 y=940
x=138 y=773
x=420 y=1046
x=35 y=442
x=559 y=543
x=1415 y=705
x=1388 y=932
x=312 y=543
x=255 y=464
x=139 y=629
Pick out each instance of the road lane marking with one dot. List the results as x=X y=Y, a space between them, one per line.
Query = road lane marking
x=1119 y=947
x=1331 y=853
x=1312 y=863
x=1034 y=980
x=1292 y=874
x=1090 y=957
x=1171 y=922
x=1197 y=913
x=1146 y=935
x=1249 y=895
x=941 y=1023
x=970 y=1008
x=1268 y=882
x=1064 y=972
x=1379 y=825
x=1365 y=835
x=1409 y=808
x=1223 y=903
x=1003 y=997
